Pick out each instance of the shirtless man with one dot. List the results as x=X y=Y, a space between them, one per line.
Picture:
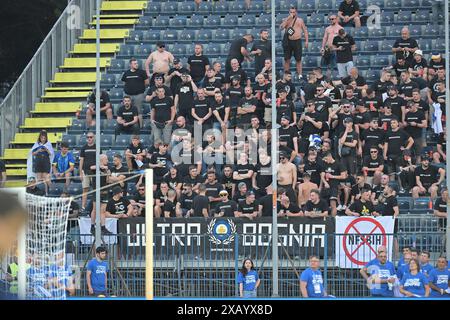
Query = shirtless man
x=294 y=26
x=161 y=60
x=330 y=32
x=287 y=176
x=304 y=189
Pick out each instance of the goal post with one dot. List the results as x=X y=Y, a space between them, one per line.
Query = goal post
x=149 y=288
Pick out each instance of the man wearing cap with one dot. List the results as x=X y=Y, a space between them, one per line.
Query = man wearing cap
x=118 y=206
x=160 y=60
x=159 y=83
x=405 y=46
x=184 y=96
x=236 y=70
x=198 y=64
x=436 y=62
x=225 y=208
x=419 y=66
x=427 y=179
x=32 y=187
x=344 y=45
x=174 y=76
x=248 y=208
x=287 y=176
x=135 y=80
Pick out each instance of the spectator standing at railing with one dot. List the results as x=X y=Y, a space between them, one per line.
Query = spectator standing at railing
x=248 y=280
x=97 y=273
x=414 y=283
x=379 y=274
x=439 y=279
x=311 y=280
x=136 y=80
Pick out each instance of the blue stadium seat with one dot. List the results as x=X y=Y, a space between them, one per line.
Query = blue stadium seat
x=237 y=7
x=161 y=21
x=438 y=45
x=421 y=203
x=126 y=50
x=378 y=3
x=308 y=5
x=221 y=35
x=146 y=126
x=152 y=35
x=123 y=141
x=116 y=94
x=377 y=33
x=237 y=33
x=136 y=35
x=386 y=46
x=204 y=35
x=213 y=49
x=263 y=20
x=143 y=50
x=230 y=20
x=153 y=8
x=372 y=75
x=395 y=31
x=213 y=21
x=178 y=21
x=412 y=4
x=117 y=65
x=256 y=6
x=74 y=189
x=248 y=20
x=316 y=18
x=221 y=7
x=362 y=61
x=392 y=4
x=430 y=30
x=404 y=16
x=204 y=8
x=187 y=35
x=324 y=5
x=415 y=31
x=109 y=126
x=106 y=140
x=145 y=22
x=313 y=46
x=179 y=49
x=387 y=17
x=285 y=5
x=78 y=126
x=422 y=15
x=55 y=189
x=196 y=21
x=169 y=7
x=426 y=3
x=362 y=32
x=404 y=203
x=108 y=81
x=187 y=7
x=311 y=62
x=169 y=35
x=371 y=46
x=70 y=139
x=131 y=188
x=379 y=61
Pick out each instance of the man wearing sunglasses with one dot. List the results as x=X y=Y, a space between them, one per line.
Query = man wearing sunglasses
x=226 y=207
x=329 y=56
x=160 y=60
x=373 y=166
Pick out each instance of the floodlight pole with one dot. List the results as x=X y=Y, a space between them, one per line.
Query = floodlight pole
x=98 y=240
x=274 y=159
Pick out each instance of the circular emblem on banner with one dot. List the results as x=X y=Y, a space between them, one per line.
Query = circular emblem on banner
x=374 y=226
x=221 y=231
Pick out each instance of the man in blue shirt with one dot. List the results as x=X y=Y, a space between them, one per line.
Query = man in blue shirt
x=97 y=273
x=401 y=261
x=439 y=280
x=379 y=274
x=404 y=266
x=425 y=266
x=311 y=281
x=63 y=164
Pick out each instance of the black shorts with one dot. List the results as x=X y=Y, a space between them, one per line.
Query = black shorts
x=303 y=146
x=41 y=164
x=293 y=48
x=330 y=193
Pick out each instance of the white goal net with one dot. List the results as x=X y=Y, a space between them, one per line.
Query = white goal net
x=47 y=274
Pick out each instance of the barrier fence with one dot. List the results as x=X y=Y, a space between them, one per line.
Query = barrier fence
x=201 y=258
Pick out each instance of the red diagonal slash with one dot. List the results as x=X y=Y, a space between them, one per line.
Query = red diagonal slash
x=364 y=240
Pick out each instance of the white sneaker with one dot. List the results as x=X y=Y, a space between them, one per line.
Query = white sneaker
x=344 y=207
x=339 y=207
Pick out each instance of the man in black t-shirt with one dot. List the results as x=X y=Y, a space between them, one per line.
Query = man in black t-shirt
x=238 y=50
x=160 y=162
x=287 y=208
x=396 y=141
x=159 y=83
x=184 y=206
x=344 y=45
x=184 y=96
x=234 y=94
x=243 y=170
x=236 y=70
x=127 y=118
x=349 y=13
x=427 y=180
x=105 y=107
x=397 y=104
x=363 y=206
x=136 y=80
x=198 y=64
x=334 y=174
x=285 y=107
x=181 y=130
x=213 y=187
x=175 y=75
x=118 y=206
x=200 y=204
x=414 y=123
x=201 y=111
x=119 y=173
x=315 y=207
x=138 y=201
x=246 y=108
x=388 y=205
x=309 y=124
x=401 y=65
x=162 y=116
x=440 y=208
x=2 y=173
x=169 y=208
x=226 y=207
x=248 y=208
x=405 y=46
x=262 y=50
x=373 y=166
x=87 y=160
x=135 y=153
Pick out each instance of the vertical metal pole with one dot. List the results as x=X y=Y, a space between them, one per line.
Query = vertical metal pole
x=98 y=240
x=274 y=159
x=149 y=288
x=447 y=107
x=236 y=264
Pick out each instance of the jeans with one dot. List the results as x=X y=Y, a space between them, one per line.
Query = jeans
x=344 y=68
x=137 y=101
x=165 y=132
x=249 y=294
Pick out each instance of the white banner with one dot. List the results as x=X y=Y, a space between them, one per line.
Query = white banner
x=85 y=230
x=357 y=239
